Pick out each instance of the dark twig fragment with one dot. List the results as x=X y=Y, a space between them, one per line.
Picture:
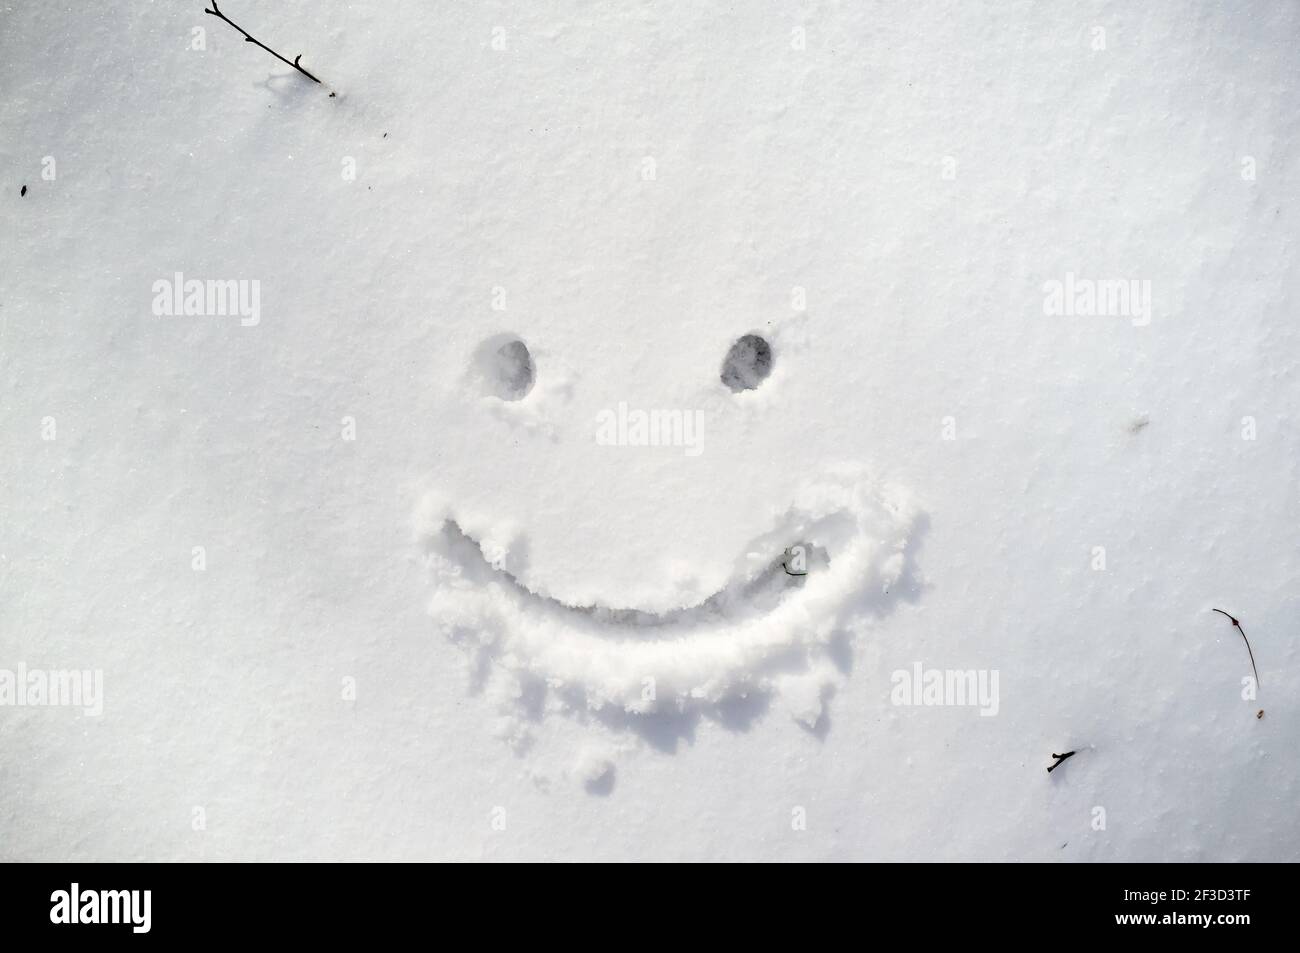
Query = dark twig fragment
x=1247 y=641
x=216 y=12
x=1060 y=758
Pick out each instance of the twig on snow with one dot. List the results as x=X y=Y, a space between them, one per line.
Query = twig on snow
x=216 y=12
x=1060 y=759
x=1247 y=641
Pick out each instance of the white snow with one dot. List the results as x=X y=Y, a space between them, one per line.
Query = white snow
x=217 y=514
x=766 y=625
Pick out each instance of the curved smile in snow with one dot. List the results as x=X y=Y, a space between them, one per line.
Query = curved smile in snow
x=822 y=569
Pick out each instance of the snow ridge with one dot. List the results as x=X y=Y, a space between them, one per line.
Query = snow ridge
x=766 y=631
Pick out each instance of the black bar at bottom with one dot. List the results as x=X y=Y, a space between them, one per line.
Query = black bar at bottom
x=142 y=902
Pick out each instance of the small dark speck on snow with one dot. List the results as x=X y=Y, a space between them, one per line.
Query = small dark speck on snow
x=22 y=191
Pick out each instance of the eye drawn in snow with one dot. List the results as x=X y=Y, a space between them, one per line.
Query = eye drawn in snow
x=505 y=367
x=517 y=384
x=768 y=631
x=747 y=364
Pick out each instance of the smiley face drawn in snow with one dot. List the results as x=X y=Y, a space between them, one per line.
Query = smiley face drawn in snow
x=826 y=562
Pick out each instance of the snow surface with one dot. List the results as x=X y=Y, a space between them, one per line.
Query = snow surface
x=427 y=610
